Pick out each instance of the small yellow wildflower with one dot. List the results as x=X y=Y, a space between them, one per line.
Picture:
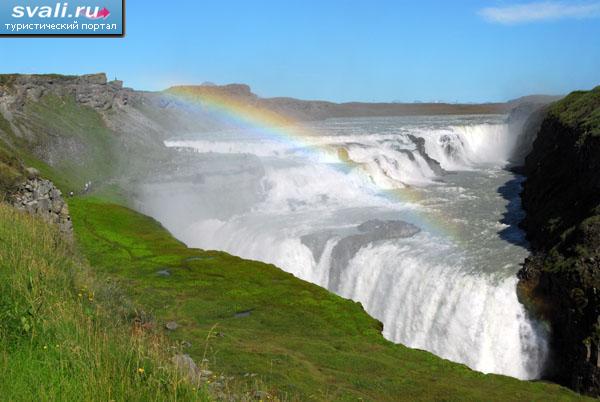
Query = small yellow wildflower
x=45 y=347
x=141 y=370
x=80 y=295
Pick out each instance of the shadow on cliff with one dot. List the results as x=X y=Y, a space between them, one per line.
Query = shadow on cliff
x=514 y=213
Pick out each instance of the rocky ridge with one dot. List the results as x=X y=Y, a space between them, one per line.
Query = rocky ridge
x=92 y=90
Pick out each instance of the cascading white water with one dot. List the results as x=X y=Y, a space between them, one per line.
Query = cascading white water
x=464 y=146
x=448 y=288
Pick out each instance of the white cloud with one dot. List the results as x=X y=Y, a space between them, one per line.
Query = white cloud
x=539 y=11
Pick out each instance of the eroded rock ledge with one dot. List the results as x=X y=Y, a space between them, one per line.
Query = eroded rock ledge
x=92 y=90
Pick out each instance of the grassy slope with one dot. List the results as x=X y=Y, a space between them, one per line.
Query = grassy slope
x=579 y=110
x=11 y=169
x=301 y=340
x=52 y=125
x=64 y=335
x=54 y=118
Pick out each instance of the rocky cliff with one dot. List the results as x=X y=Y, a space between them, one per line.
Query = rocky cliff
x=561 y=196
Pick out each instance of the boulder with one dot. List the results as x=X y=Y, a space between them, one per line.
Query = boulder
x=32 y=173
x=186 y=366
x=171 y=325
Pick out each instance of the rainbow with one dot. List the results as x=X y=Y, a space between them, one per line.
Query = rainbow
x=244 y=113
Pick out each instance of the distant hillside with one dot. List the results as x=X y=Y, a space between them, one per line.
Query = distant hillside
x=316 y=110
x=535 y=99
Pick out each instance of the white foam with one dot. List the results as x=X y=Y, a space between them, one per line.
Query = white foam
x=457 y=301
x=426 y=303
x=467 y=146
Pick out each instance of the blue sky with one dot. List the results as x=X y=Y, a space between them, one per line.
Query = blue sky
x=468 y=51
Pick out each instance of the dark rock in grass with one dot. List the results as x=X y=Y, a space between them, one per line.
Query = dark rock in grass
x=245 y=313
x=171 y=325
x=260 y=395
x=163 y=273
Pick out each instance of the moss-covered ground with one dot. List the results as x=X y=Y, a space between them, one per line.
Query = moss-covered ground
x=580 y=110
x=252 y=320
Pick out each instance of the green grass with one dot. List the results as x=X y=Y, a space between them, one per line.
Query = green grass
x=66 y=335
x=70 y=144
x=11 y=171
x=580 y=110
x=11 y=168
x=300 y=340
x=67 y=142
x=93 y=155
x=55 y=119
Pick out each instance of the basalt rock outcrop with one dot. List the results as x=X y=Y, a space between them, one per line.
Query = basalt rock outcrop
x=40 y=197
x=561 y=196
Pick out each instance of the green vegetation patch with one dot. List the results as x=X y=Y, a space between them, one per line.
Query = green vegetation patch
x=73 y=139
x=11 y=171
x=253 y=321
x=67 y=336
x=580 y=110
